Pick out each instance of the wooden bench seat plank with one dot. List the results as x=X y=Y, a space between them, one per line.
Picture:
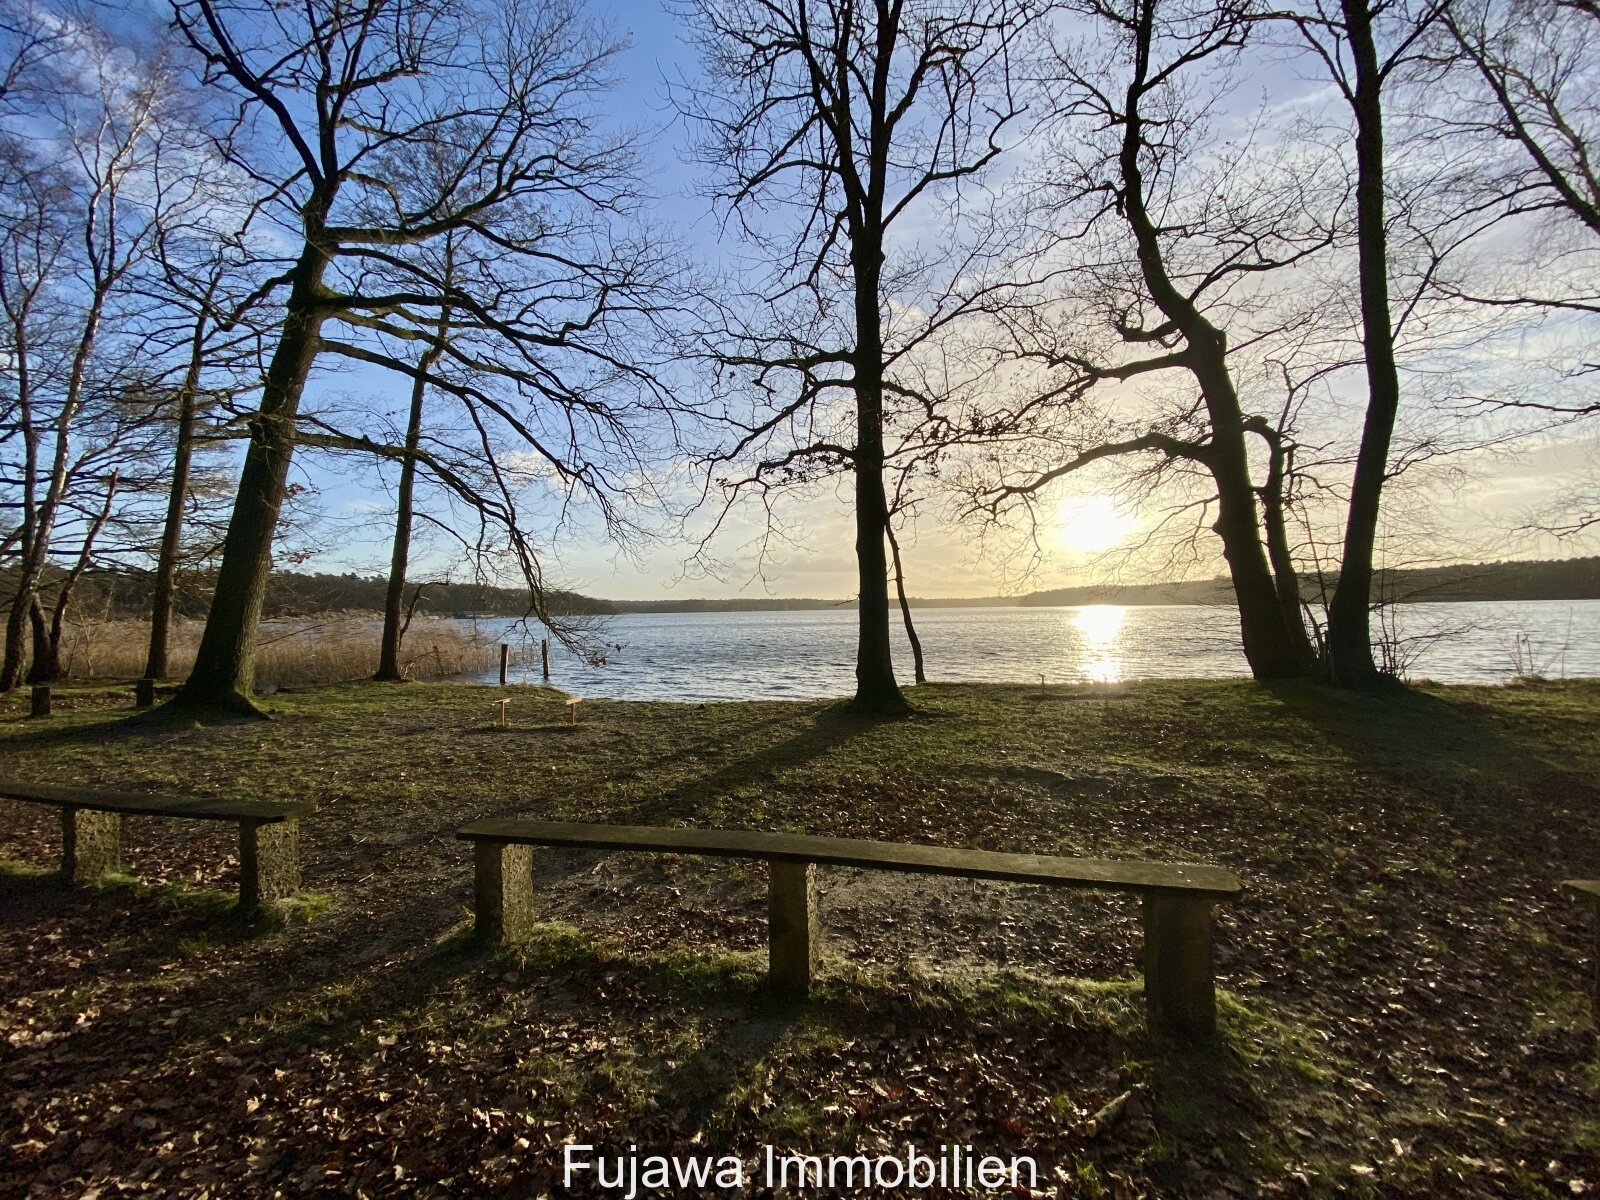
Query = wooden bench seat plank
x=260 y=811
x=1195 y=880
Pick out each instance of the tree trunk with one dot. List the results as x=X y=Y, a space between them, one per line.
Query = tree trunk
x=16 y=648
x=1273 y=648
x=161 y=602
x=47 y=646
x=43 y=665
x=1350 y=661
x=1275 y=642
x=224 y=667
x=394 y=595
x=905 y=605
x=16 y=638
x=1284 y=575
x=876 y=688
x=394 y=627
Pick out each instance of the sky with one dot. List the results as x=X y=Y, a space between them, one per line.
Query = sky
x=1472 y=511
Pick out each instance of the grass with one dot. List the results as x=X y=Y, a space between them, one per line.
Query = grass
x=333 y=648
x=1404 y=1008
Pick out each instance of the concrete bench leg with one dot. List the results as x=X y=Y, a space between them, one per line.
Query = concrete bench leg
x=269 y=862
x=793 y=935
x=1179 y=990
x=91 y=844
x=503 y=892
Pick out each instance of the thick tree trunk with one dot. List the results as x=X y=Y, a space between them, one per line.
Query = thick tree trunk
x=1350 y=661
x=394 y=596
x=44 y=665
x=166 y=581
x=1275 y=642
x=224 y=667
x=905 y=606
x=16 y=647
x=876 y=687
x=16 y=637
x=1273 y=648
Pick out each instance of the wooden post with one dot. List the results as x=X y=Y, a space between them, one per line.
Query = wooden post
x=39 y=700
x=505 y=659
x=794 y=941
x=1179 y=991
x=144 y=693
x=503 y=892
x=544 y=657
x=91 y=844
x=1589 y=890
x=269 y=862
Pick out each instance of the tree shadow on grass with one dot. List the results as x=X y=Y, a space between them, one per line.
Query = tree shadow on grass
x=1411 y=732
x=827 y=731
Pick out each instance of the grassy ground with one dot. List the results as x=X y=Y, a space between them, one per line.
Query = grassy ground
x=1404 y=1012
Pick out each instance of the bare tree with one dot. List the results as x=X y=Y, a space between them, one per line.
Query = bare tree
x=407 y=121
x=837 y=126
x=1515 y=91
x=1158 y=258
x=202 y=319
x=1363 y=45
x=108 y=156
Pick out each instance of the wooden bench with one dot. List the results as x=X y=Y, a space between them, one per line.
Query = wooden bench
x=1180 y=993
x=1589 y=890
x=91 y=833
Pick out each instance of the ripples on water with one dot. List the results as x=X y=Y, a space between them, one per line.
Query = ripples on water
x=811 y=655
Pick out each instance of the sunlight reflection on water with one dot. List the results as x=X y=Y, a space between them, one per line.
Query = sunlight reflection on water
x=1100 y=628
x=809 y=655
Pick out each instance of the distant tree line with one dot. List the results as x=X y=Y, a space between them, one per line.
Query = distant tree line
x=1557 y=579
x=111 y=595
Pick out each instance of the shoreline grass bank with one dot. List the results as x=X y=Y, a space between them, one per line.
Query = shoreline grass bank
x=1403 y=982
x=334 y=647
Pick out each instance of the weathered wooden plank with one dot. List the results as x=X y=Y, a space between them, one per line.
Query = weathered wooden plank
x=153 y=806
x=1188 y=878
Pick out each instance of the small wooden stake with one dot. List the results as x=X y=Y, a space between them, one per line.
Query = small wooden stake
x=503 y=705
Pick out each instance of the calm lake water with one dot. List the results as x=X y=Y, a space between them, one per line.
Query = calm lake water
x=810 y=655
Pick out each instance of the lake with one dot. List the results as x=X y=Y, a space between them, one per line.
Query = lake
x=811 y=655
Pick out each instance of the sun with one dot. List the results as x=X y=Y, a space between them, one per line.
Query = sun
x=1092 y=524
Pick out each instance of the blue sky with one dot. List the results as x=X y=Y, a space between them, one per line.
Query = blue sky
x=1471 y=513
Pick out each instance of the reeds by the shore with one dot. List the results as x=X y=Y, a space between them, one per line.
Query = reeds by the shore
x=327 y=648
